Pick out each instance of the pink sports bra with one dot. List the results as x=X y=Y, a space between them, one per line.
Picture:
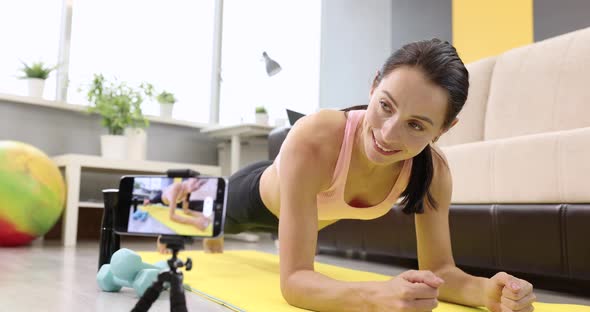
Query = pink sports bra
x=331 y=204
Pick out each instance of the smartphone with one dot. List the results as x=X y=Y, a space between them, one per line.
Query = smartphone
x=160 y=205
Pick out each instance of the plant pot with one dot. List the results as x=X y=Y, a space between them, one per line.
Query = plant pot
x=136 y=143
x=166 y=110
x=262 y=119
x=36 y=87
x=113 y=146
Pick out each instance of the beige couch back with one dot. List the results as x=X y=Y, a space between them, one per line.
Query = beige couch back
x=471 y=119
x=542 y=87
x=524 y=134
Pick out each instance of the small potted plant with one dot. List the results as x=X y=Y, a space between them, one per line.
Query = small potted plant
x=261 y=116
x=120 y=108
x=166 y=100
x=35 y=74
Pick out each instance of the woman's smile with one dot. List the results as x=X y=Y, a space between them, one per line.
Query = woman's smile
x=382 y=149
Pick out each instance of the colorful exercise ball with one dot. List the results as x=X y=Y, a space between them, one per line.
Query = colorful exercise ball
x=32 y=193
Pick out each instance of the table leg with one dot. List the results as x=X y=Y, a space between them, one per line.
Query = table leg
x=235 y=153
x=70 y=219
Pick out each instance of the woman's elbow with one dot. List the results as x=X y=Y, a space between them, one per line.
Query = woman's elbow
x=289 y=289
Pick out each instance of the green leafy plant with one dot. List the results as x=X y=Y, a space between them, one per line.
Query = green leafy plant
x=118 y=104
x=260 y=110
x=166 y=98
x=36 y=70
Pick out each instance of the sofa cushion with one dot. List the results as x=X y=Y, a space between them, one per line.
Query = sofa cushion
x=471 y=170
x=541 y=87
x=471 y=118
x=541 y=168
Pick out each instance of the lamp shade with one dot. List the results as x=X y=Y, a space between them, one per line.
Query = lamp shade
x=272 y=67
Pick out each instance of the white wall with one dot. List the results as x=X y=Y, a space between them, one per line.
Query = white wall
x=355 y=41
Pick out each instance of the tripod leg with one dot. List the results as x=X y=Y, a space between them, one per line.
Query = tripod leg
x=149 y=296
x=177 y=298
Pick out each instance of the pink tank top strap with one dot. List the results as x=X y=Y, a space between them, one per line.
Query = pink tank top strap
x=347 y=142
x=341 y=170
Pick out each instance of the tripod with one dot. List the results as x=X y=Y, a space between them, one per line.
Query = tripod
x=173 y=276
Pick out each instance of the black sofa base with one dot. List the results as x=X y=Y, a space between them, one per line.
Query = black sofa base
x=541 y=240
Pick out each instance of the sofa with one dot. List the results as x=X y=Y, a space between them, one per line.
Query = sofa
x=520 y=161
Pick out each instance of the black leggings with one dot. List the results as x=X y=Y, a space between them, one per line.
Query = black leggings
x=245 y=210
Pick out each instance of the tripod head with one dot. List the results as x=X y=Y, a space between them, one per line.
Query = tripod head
x=176 y=244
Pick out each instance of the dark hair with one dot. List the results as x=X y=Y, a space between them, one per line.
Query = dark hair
x=441 y=65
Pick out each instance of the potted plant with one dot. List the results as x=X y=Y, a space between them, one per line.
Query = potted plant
x=261 y=115
x=35 y=74
x=120 y=108
x=135 y=134
x=166 y=100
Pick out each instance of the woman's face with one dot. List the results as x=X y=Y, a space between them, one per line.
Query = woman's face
x=406 y=112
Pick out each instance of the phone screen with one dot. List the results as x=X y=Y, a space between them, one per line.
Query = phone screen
x=155 y=205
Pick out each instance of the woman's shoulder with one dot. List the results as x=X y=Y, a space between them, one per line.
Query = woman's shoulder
x=320 y=128
x=327 y=118
x=314 y=142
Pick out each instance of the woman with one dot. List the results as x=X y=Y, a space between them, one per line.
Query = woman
x=356 y=164
x=178 y=193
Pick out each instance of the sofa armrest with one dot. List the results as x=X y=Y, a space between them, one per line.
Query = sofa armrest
x=275 y=140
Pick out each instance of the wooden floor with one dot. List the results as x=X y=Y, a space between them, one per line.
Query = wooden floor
x=49 y=277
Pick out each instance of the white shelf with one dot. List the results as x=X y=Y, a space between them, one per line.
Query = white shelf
x=144 y=166
x=82 y=109
x=84 y=204
x=243 y=130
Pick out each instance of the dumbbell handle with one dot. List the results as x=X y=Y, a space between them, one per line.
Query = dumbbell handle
x=126 y=283
x=143 y=266
x=126 y=264
x=122 y=282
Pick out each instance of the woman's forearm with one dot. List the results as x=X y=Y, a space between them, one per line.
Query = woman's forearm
x=317 y=292
x=182 y=219
x=460 y=287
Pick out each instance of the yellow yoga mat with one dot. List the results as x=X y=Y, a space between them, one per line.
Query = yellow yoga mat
x=160 y=213
x=249 y=281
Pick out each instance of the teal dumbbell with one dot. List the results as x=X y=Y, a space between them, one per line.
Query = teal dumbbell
x=140 y=215
x=145 y=279
x=127 y=270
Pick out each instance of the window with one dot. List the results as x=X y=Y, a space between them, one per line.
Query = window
x=166 y=43
x=30 y=32
x=289 y=31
